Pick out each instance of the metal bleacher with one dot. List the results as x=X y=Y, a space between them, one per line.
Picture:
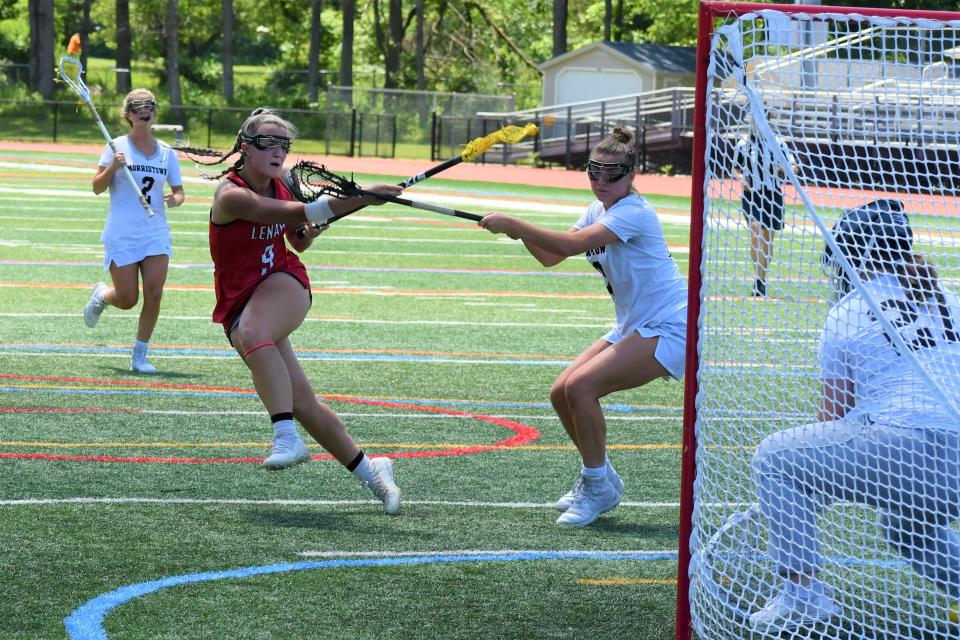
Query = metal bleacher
x=662 y=120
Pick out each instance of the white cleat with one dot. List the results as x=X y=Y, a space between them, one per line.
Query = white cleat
x=596 y=496
x=382 y=484
x=142 y=365
x=789 y=612
x=288 y=450
x=567 y=499
x=95 y=306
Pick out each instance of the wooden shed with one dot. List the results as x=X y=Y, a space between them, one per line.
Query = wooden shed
x=607 y=69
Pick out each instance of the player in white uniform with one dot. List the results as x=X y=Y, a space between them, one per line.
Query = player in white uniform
x=135 y=244
x=885 y=437
x=621 y=237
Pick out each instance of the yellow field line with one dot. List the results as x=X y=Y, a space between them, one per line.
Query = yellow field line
x=626 y=582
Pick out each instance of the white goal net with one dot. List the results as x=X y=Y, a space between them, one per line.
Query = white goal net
x=826 y=411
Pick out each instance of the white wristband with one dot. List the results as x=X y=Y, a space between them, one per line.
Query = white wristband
x=319 y=211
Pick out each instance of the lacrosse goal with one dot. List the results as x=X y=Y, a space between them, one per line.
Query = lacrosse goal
x=854 y=106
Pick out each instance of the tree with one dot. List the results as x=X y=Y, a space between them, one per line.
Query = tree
x=345 y=79
x=171 y=28
x=41 y=47
x=559 y=27
x=124 y=55
x=313 y=64
x=227 y=53
x=607 y=18
x=391 y=42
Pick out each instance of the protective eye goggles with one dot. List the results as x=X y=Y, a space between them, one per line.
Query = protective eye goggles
x=136 y=105
x=610 y=171
x=264 y=142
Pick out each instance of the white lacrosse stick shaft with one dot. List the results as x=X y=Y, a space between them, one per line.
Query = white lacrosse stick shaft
x=80 y=88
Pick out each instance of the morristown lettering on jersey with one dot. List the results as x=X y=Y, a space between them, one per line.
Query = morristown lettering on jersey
x=146 y=168
x=598 y=251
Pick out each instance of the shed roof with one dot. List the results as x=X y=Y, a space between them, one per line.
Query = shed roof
x=661 y=57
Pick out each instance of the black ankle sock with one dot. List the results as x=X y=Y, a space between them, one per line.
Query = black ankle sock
x=277 y=417
x=759 y=287
x=356 y=462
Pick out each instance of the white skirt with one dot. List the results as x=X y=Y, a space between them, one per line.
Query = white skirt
x=130 y=253
x=671 y=347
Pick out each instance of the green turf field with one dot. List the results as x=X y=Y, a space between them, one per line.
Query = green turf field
x=136 y=502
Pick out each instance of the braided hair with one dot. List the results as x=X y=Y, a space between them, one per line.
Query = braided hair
x=258 y=117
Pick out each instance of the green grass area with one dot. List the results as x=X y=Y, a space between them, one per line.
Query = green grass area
x=422 y=312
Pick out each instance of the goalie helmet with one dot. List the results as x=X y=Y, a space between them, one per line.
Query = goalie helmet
x=874 y=235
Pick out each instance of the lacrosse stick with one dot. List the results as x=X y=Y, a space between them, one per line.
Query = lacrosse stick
x=509 y=134
x=309 y=181
x=506 y=135
x=76 y=83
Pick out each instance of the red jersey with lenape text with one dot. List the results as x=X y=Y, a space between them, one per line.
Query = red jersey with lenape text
x=244 y=253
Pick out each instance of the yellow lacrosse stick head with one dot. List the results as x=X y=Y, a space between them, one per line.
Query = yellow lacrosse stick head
x=511 y=134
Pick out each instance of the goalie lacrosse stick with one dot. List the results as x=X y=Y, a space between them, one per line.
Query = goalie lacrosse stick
x=308 y=181
x=76 y=83
x=510 y=134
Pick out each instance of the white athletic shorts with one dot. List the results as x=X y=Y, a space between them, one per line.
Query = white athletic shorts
x=671 y=348
x=131 y=253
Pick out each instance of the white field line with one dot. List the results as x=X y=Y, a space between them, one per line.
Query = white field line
x=26 y=502
x=415 y=416
x=476 y=552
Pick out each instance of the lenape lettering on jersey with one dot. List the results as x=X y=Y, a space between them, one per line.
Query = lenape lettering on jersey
x=267 y=232
x=146 y=168
x=597 y=252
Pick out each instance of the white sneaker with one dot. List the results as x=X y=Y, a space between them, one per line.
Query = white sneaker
x=567 y=499
x=95 y=306
x=288 y=450
x=382 y=484
x=789 y=611
x=596 y=496
x=140 y=364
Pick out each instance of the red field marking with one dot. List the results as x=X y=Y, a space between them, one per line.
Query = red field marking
x=522 y=434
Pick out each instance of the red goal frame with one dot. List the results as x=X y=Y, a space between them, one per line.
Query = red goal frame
x=709 y=12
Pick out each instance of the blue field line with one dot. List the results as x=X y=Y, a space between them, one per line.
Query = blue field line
x=86 y=622
x=430 y=402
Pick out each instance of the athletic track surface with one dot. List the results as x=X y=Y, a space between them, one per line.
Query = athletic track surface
x=509 y=174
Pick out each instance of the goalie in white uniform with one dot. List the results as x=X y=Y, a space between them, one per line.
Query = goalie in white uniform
x=136 y=246
x=886 y=437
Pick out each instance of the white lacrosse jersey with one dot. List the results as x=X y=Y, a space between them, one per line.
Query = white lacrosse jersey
x=757 y=163
x=127 y=221
x=641 y=275
x=888 y=387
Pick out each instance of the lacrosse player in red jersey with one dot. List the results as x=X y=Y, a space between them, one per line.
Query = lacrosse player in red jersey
x=136 y=246
x=621 y=237
x=263 y=294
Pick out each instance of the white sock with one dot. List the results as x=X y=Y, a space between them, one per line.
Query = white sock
x=364 y=471
x=284 y=427
x=140 y=348
x=593 y=472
